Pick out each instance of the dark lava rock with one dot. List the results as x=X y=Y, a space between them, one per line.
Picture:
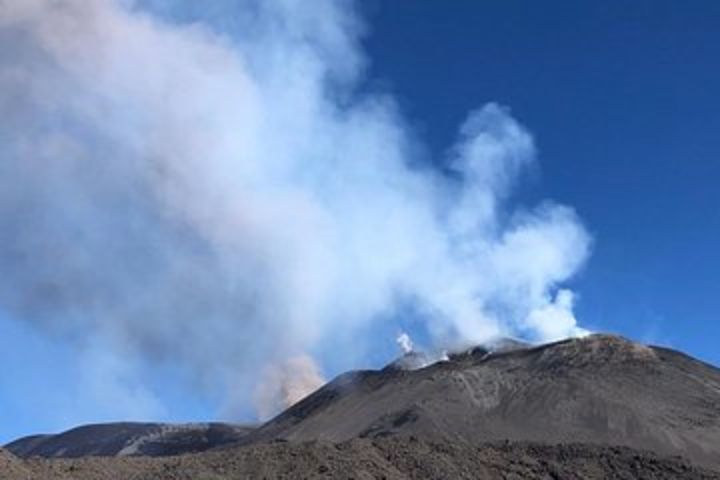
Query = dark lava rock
x=124 y=439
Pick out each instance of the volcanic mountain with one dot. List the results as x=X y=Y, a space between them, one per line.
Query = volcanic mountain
x=600 y=389
x=594 y=407
x=128 y=438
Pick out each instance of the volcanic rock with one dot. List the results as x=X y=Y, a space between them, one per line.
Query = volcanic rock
x=123 y=439
x=11 y=466
x=600 y=389
x=390 y=458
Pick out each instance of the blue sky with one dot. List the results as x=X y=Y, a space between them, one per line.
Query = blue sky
x=623 y=99
x=623 y=102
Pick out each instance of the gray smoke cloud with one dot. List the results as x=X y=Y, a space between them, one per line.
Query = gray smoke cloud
x=224 y=202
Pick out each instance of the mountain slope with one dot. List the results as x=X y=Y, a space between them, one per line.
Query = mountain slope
x=11 y=466
x=390 y=458
x=127 y=438
x=600 y=389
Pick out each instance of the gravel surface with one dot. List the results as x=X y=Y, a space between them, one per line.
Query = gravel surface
x=382 y=458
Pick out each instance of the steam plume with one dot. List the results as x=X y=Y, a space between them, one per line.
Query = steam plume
x=405 y=343
x=216 y=200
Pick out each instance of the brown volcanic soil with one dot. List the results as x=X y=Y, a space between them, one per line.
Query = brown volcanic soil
x=600 y=389
x=389 y=458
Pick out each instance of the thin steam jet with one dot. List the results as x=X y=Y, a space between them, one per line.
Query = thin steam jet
x=405 y=343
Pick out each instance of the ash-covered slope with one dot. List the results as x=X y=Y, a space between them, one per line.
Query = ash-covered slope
x=390 y=458
x=11 y=466
x=124 y=439
x=600 y=389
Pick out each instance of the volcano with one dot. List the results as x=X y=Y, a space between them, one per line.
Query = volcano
x=600 y=389
x=594 y=407
x=129 y=438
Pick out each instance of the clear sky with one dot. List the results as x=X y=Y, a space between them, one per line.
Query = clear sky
x=621 y=98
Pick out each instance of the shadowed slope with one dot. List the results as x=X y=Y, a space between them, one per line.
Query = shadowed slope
x=123 y=439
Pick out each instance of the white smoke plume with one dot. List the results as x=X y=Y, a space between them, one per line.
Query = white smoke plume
x=213 y=200
x=283 y=385
x=405 y=343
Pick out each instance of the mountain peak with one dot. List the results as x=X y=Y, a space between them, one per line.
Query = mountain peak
x=598 y=348
x=599 y=388
x=417 y=359
x=485 y=349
